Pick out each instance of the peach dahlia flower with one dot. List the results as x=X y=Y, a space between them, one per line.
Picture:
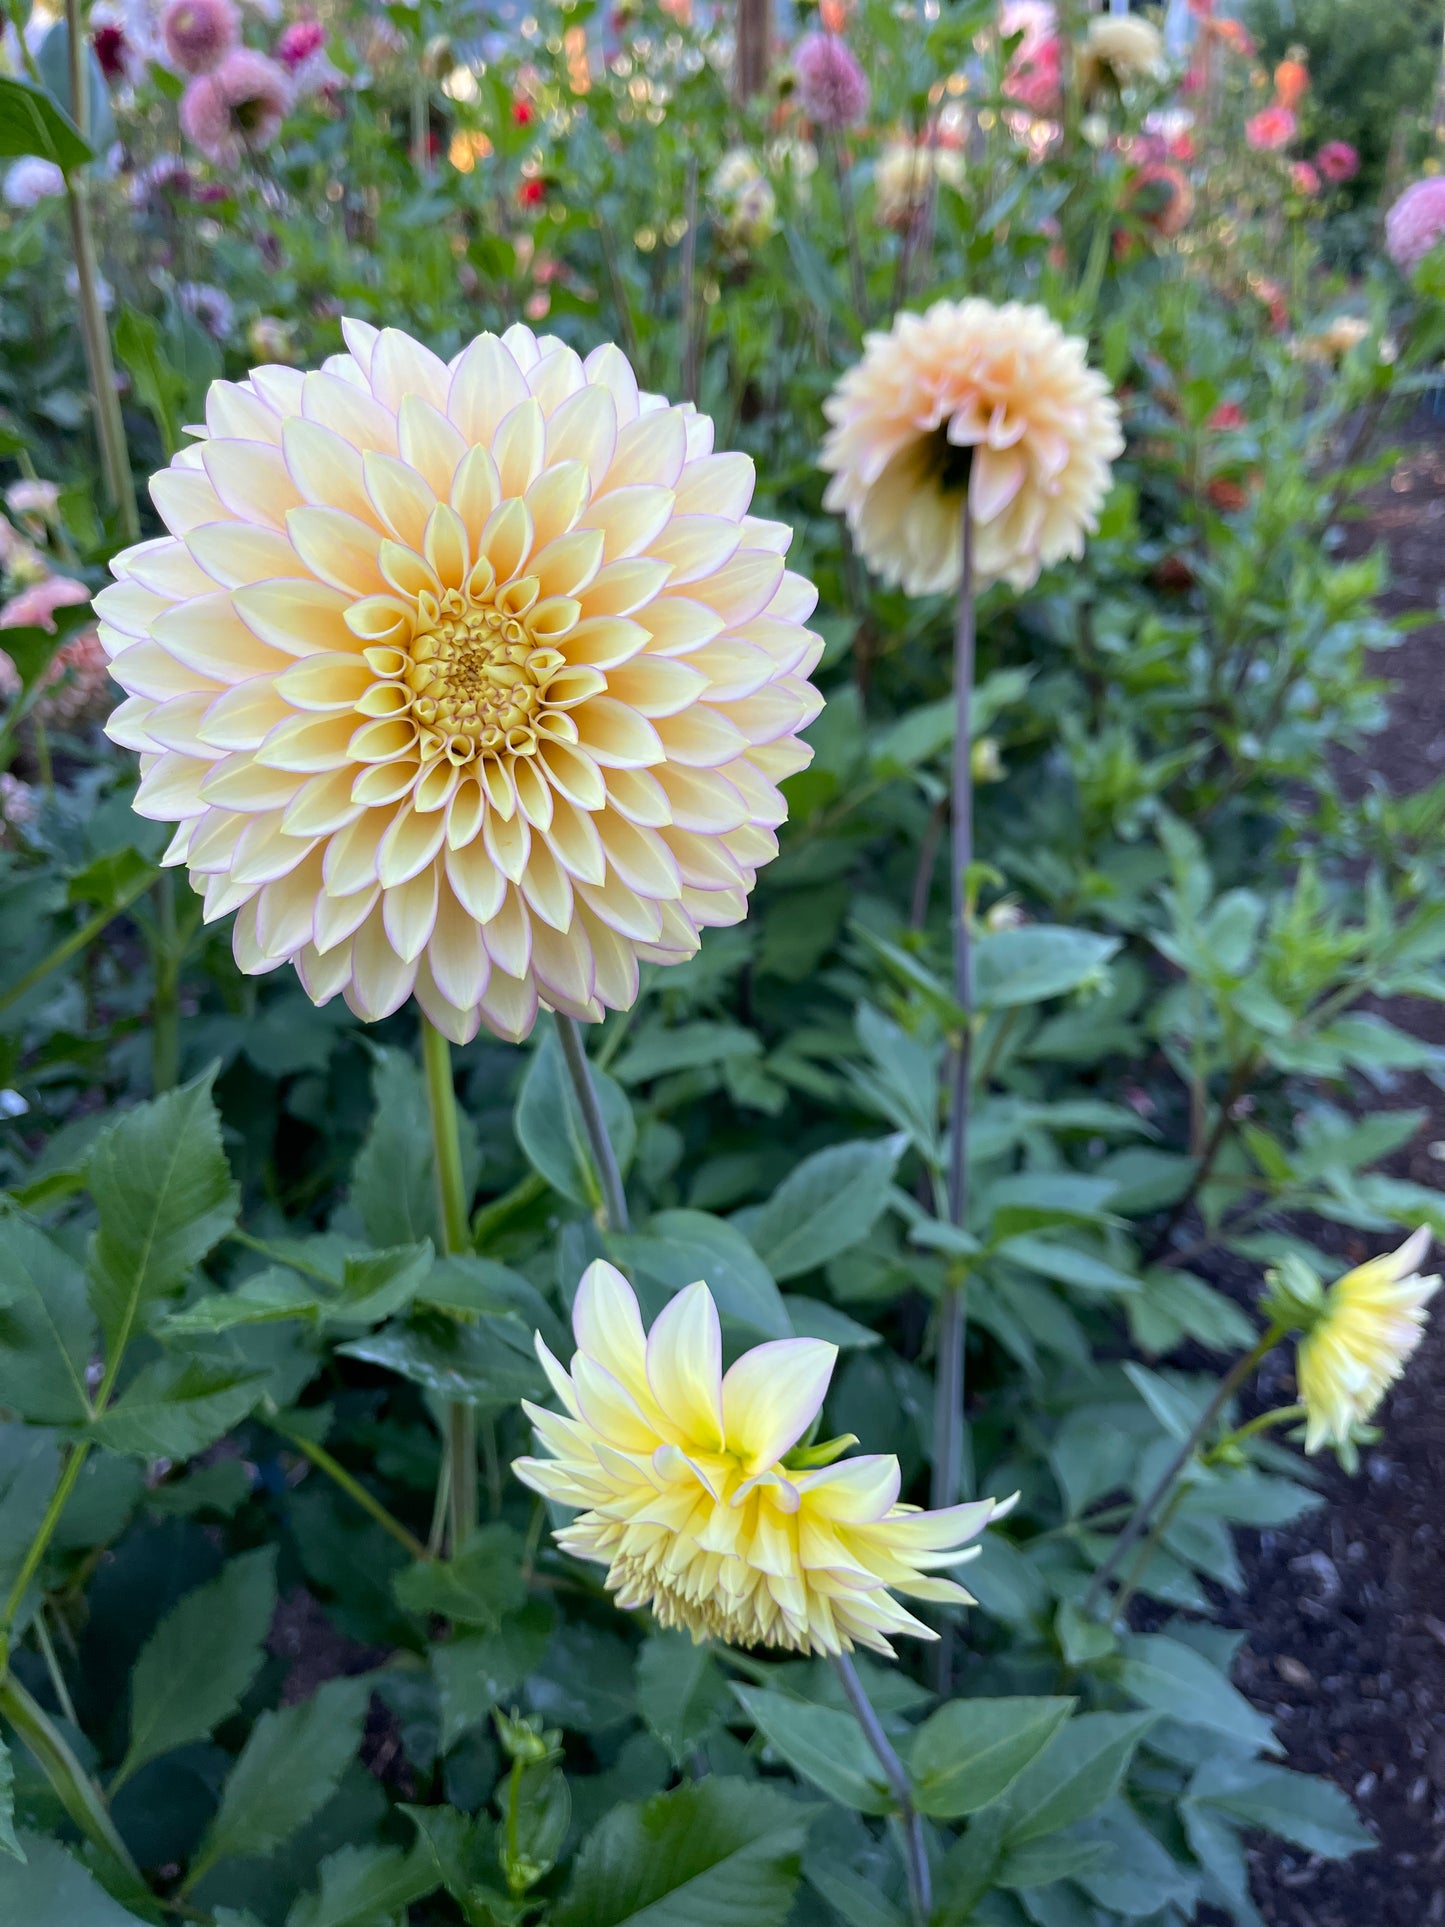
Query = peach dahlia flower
x=475 y=679
x=999 y=400
x=692 y=1492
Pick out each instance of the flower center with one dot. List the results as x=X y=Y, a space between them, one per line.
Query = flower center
x=477 y=676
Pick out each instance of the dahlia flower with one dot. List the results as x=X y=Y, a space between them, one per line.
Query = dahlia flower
x=1035 y=73
x=30 y=181
x=198 y=34
x=471 y=679
x=833 y=89
x=691 y=1489
x=237 y=107
x=902 y=176
x=1337 y=162
x=1161 y=196
x=1304 y=179
x=1364 y=1334
x=1291 y=82
x=743 y=200
x=999 y=402
x=1416 y=223
x=1271 y=129
x=1118 y=50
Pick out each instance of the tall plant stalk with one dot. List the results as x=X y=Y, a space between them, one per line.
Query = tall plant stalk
x=461 y=1419
x=953 y=1314
x=915 y=1853
x=604 y=1158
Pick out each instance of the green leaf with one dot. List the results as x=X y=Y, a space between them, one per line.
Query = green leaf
x=53 y=60
x=856 y=1901
x=971 y=1750
x=176 y=1408
x=1067 y=1265
x=1036 y=962
x=393 y=1182
x=679 y=1247
x=199 y=1661
x=548 y=1124
x=157 y=387
x=8 y=1843
x=47 y=1334
x=287 y=1771
x=164 y=1194
x=1172 y=1678
x=1313 y=1813
x=680 y=1692
x=32 y=123
x=365 y=1886
x=822 y=1744
x=379 y=1284
x=825 y=1205
x=686 y=1047
x=477 y=1588
x=718 y=1853
x=1078 y=1772
x=50 y=1889
x=266 y=1298
x=491 y=1364
x=476 y=1671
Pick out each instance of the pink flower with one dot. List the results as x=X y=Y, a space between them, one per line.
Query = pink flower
x=1228 y=415
x=1271 y=129
x=200 y=33
x=1416 y=223
x=299 y=41
x=1035 y=77
x=77 y=683
x=240 y=105
x=1337 y=161
x=34 y=608
x=1304 y=178
x=833 y=89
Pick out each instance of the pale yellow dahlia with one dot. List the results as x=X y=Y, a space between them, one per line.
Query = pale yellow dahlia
x=1362 y=1338
x=968 y=395
x=474 y=679
x=1118 y=48
x=693 y=1494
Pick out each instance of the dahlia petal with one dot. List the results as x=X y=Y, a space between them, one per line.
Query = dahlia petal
x=409 y=912
x=772 y=1395
x=399 y=495
x=299 y=618
x=631 y=519
x=185 y=500
x=684 y=1365
x=400 y=367
x=252 y=481
x=476 y=489
x=456 y=954
x=583 y=428
x=508 y=937
x=349 y=411
x=651 y=449
x=381 y=981
x=237 y=553
x=322 y=976
x=485 y=386
x=607 y=1325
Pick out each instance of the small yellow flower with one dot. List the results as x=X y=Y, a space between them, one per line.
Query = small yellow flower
x=1368 y=1326
x=692 y=1493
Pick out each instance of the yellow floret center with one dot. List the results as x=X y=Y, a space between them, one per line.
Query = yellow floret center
x=477 y=677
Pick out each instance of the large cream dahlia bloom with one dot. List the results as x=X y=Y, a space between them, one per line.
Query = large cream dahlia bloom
x=999 y=401
x=1367 y=1329
x=474 y=679
x=693 y=1496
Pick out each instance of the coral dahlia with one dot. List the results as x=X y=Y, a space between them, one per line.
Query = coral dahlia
x=474 y=679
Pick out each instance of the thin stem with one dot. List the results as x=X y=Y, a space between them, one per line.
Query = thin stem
x=52 y=1667
x=74 y=1465
x=920 y=1883
x=574 y=1053
x=850 y=230
x=1262 y=1422
x=77 y=1792
x=1242 y=1369
x=353 y=1488
x=166 y=1004
x=1234 y=1090
x=461 y=1419
x=76 y=941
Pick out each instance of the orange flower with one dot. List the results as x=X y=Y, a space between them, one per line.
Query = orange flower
x=1291 y=82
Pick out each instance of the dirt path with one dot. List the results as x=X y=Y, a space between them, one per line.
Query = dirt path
x=1345 y=1614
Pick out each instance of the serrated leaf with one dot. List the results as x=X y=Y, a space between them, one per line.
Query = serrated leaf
x=548 y=1124
x=476 y=1671
x=51 y=1889
x=718 y=1853
x=267 y=1298
x=197 y=1664
x=1311 y=1812
x=825 y=1205
x=822 y=1744
x=1172 y=1678
x=8 y=1842
x=165 y=1196
x=47 y=1333
x=379 y=1284
x=393 y=1182
x=970 y=1751
x=288 y=1769
x=1078 y=1772
x=489 y=1364
x=365 y=1886
x=479 y=1587
x=176 y=1408
x=680 y=1692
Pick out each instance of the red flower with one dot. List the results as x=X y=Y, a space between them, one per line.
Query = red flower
x=299 y=41
x=531 y=192
x=110 y=51
x=1337 y=161
x=523 y=112
x=1228 y=415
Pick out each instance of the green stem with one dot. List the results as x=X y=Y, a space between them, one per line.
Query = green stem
x=166 y=1005
x=920 y=1886
x=353 y=1488
x=73 y=1786
x=604 y=1158
x=76 y=941
x=1242 y=1369
x=74 y=1465
x=461 y=1419
x=52 y=1667
x=1262 y=1422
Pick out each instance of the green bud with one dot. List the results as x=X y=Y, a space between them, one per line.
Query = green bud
x=1294 y=1296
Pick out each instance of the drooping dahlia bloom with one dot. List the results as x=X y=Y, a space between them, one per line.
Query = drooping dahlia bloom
x=691 y=1491
x=237 y=107
x=1035 y=74
x=1416 y=223
x=1118 y=50
x=904 y=174
x=1366 y=1329
x=198 y=34
x=999 y=402
x=1337 y=162
x=474 y=679
x=1271 y=129
x=743 y=200
x=833 y=89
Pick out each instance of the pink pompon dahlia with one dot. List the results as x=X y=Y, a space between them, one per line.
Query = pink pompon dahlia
x=236 y=108
x=833 y=89
x=1416 y=223
x=1271 y=129
x=198 y=34
x=298 y=41
x=1337 y=162
x=471 y=679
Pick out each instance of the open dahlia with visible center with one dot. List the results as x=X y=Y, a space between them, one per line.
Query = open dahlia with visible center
x=472 y=679
x=995 y=404
x=693 y=1492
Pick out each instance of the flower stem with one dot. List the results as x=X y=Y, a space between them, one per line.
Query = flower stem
x=165 y=1006
x=461 y=1421
x=1242 y=1369
x=920 y=1884
x=353 y=1488
x=76 y=941
x=574 y=1053
x=74 y=1465
x=73 y=1786
x=953 y=1316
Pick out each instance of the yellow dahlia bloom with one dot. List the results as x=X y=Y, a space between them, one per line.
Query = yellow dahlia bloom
x=905 y=171
x=1364 y=1335
x=472 y=679
x=1120 y=48
x=691 y=1493
x=999 y=400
